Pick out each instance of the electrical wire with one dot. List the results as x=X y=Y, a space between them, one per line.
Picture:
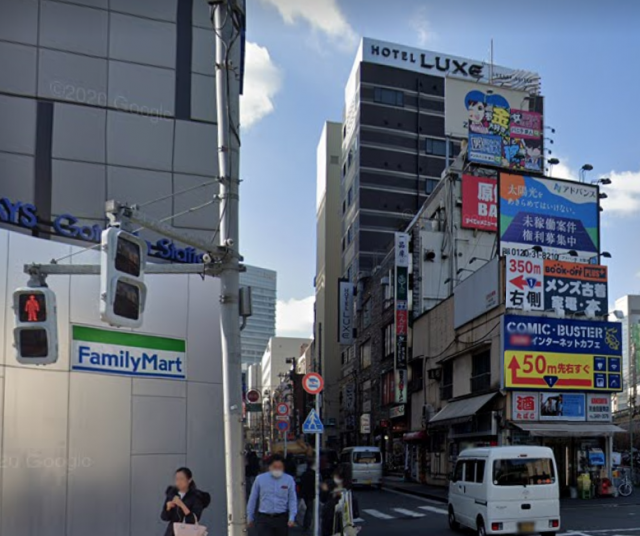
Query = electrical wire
x=180 y=192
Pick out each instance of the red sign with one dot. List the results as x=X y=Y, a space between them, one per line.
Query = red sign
x=253 y=396
x=479 y=203
x=313 y=383
x=525 y=406
x=283 y=426
x=282 y=409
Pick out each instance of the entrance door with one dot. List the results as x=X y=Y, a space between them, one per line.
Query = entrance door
x=562 y=452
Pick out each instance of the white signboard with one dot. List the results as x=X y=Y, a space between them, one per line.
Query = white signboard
x=525 y=283
x=129 y=354
x=345 y=312
x=599 y=407
x=397 y=411
x=365 y=423
x=402 y=250
x=525 y=406
x=468 y=101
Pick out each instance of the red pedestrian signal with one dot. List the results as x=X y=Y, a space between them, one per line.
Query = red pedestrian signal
x=36 y=330
x=33 y=307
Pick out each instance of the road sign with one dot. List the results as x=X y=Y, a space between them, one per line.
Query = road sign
x=282 y=417
x=282 y=408
x=253 y=396
x=313 y=424
x=313 y=383
x=254 y=408
x=283 y=426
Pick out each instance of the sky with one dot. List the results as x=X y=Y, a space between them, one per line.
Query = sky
x=298 y=57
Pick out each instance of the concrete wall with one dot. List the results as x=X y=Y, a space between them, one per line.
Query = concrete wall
x=88 y=453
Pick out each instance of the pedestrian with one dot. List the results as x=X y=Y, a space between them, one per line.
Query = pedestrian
x=275 y=492
x=332 y=493
x=184 y=502
x=290 y=466
x=308 y=493
x=252 y=468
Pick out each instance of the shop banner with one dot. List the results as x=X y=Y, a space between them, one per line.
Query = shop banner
x=534 y=284
x=401 y=386
x=345 y=312
x=365 y=423
x=599 y=407
x=401 y=314
x=479 y=203
x=524 y=406
x=556 y=215
x=562 y=407
x=397 y=411
x=561 y=354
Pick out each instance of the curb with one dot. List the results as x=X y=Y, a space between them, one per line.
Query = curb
x=416 y=493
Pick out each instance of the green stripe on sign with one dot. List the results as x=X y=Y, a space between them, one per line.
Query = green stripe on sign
x=119 y=338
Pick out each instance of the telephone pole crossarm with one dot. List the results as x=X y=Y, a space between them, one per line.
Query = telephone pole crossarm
x=94 y=269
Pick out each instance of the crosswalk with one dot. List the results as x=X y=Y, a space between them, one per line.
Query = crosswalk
x=400 y=513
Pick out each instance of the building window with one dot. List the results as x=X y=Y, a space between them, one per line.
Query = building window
x=388 y=340
x=446 y=388
x=388 y=96
x=388 y=290
x=344 y=244
x=481 y=372
x=365 y=355
x=350 y=196
x=388 y=388
x=430 y=185
x=344 y=207
x=436 y=147
x=366 y=314
x=350 y=234
x=344 y=170
x=416 y=376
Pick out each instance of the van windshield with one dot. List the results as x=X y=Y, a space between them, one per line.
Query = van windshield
x=367 y=457
x=523 y=472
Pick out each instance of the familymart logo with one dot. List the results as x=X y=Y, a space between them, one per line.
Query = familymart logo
x=129 y=354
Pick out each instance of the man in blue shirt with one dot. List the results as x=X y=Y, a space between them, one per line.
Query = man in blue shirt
x=273 y=503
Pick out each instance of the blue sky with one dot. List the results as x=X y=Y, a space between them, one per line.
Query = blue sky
x=299 y=55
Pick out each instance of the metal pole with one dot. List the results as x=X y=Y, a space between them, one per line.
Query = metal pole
x=316 y=502
x=229 y=283
x=285 y=443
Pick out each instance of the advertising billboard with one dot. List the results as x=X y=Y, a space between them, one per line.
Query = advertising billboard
x=562 y=407
x=556 y=215
x=536 y=284
x=479 y=203
x=525 y=406
x=599 y=407
x=561 y=354
x=401 y=313
x=345 y=312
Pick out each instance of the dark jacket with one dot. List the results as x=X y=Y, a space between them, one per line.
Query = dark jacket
x=195 y=500
x=308 y=486
x=329 y=516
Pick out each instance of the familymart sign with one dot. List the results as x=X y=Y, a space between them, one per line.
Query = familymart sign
x=128 y=354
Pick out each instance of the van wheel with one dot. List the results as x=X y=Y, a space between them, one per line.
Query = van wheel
x=547 y=534
x=481 y=530
x=453 y=524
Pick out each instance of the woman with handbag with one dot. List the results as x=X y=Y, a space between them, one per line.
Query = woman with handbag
x=183 y=506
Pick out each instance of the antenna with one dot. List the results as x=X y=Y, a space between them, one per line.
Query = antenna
x=491 y=64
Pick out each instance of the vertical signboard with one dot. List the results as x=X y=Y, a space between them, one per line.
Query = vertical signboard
x=479 y=203
x=345 y=312
x=557 y=216
x=401 y=312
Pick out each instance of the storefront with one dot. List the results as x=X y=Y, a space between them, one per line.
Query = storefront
x=416 y=455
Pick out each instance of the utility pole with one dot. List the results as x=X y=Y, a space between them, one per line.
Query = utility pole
x=223 y=21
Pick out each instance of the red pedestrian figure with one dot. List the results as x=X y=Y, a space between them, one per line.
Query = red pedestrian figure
x=32 y=308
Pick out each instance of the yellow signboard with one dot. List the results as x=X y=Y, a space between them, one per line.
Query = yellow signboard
x=560 y=371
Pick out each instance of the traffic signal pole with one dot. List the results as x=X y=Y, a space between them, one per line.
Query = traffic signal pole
x=223 y=21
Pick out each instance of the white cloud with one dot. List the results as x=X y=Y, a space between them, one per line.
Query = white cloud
x=624 y=194
x=422 y=26
x=262 y=82
x=294 y=318
x=323 y=15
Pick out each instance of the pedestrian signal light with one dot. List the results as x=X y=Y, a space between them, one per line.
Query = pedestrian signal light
x=36 y=326
x=123 y=292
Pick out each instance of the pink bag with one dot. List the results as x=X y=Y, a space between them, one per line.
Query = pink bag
x=183 y=529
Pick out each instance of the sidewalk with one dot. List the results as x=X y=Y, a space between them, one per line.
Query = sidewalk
x=437 y=493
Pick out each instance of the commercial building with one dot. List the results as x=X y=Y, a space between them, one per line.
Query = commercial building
x=108 y=100
x=261 y=325
x=278 y=358
x=627 y=311
x=328 y=272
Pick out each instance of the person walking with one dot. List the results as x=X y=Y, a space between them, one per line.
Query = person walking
x=184 y=502
x=308 y=494
x=252 y=468
x=331 y=494
x=273 y=503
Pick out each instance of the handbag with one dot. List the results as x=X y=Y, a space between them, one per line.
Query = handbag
x=183 y=529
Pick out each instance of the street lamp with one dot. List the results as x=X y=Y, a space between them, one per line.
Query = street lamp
x=552 y=162
x=583 y=171
x=605 y=181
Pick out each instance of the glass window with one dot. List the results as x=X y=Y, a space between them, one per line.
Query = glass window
x=365 y=355
x=459 y=472
x=436 y=147
x=523 y=472
x=480 y=465
x=430 y=185
x=367 y=457
x=388 y=96
x=350 y=196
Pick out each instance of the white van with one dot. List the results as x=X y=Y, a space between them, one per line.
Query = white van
x=505 y=490
x=363 y=465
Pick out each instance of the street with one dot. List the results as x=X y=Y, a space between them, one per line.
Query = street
x=384 y=511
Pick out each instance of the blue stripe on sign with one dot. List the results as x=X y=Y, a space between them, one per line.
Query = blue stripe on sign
x=127 y=373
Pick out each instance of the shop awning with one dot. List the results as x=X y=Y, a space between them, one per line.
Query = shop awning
x=460 y=411
x=420 y=435
x=569 y=429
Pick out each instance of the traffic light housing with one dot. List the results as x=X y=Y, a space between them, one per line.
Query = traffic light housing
x=122 y=290
x=36 y=326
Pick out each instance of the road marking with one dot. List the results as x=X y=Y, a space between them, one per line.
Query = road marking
x=597 y=531
x=409 y=513
x=378 y=514
x=433 y=509
x=358 y=520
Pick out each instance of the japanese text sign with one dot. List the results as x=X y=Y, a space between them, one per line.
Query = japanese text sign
x=479 y=203
x=535 y=284
x=562 y=354
x=524 y=406
x=599 y=407
x=555 y=215
x=401 y=305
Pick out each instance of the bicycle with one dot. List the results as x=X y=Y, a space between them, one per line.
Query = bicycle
x=625 y=488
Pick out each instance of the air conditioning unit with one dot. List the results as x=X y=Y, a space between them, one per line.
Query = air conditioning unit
x=384 y=281
x=435 y=374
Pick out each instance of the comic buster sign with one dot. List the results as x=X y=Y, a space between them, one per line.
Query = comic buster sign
x=551 y=353
x=479 y=203
x=543 y=285
x=555 y=215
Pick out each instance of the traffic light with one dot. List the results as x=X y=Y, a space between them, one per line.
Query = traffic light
x=36 y=327
x=122 y=289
